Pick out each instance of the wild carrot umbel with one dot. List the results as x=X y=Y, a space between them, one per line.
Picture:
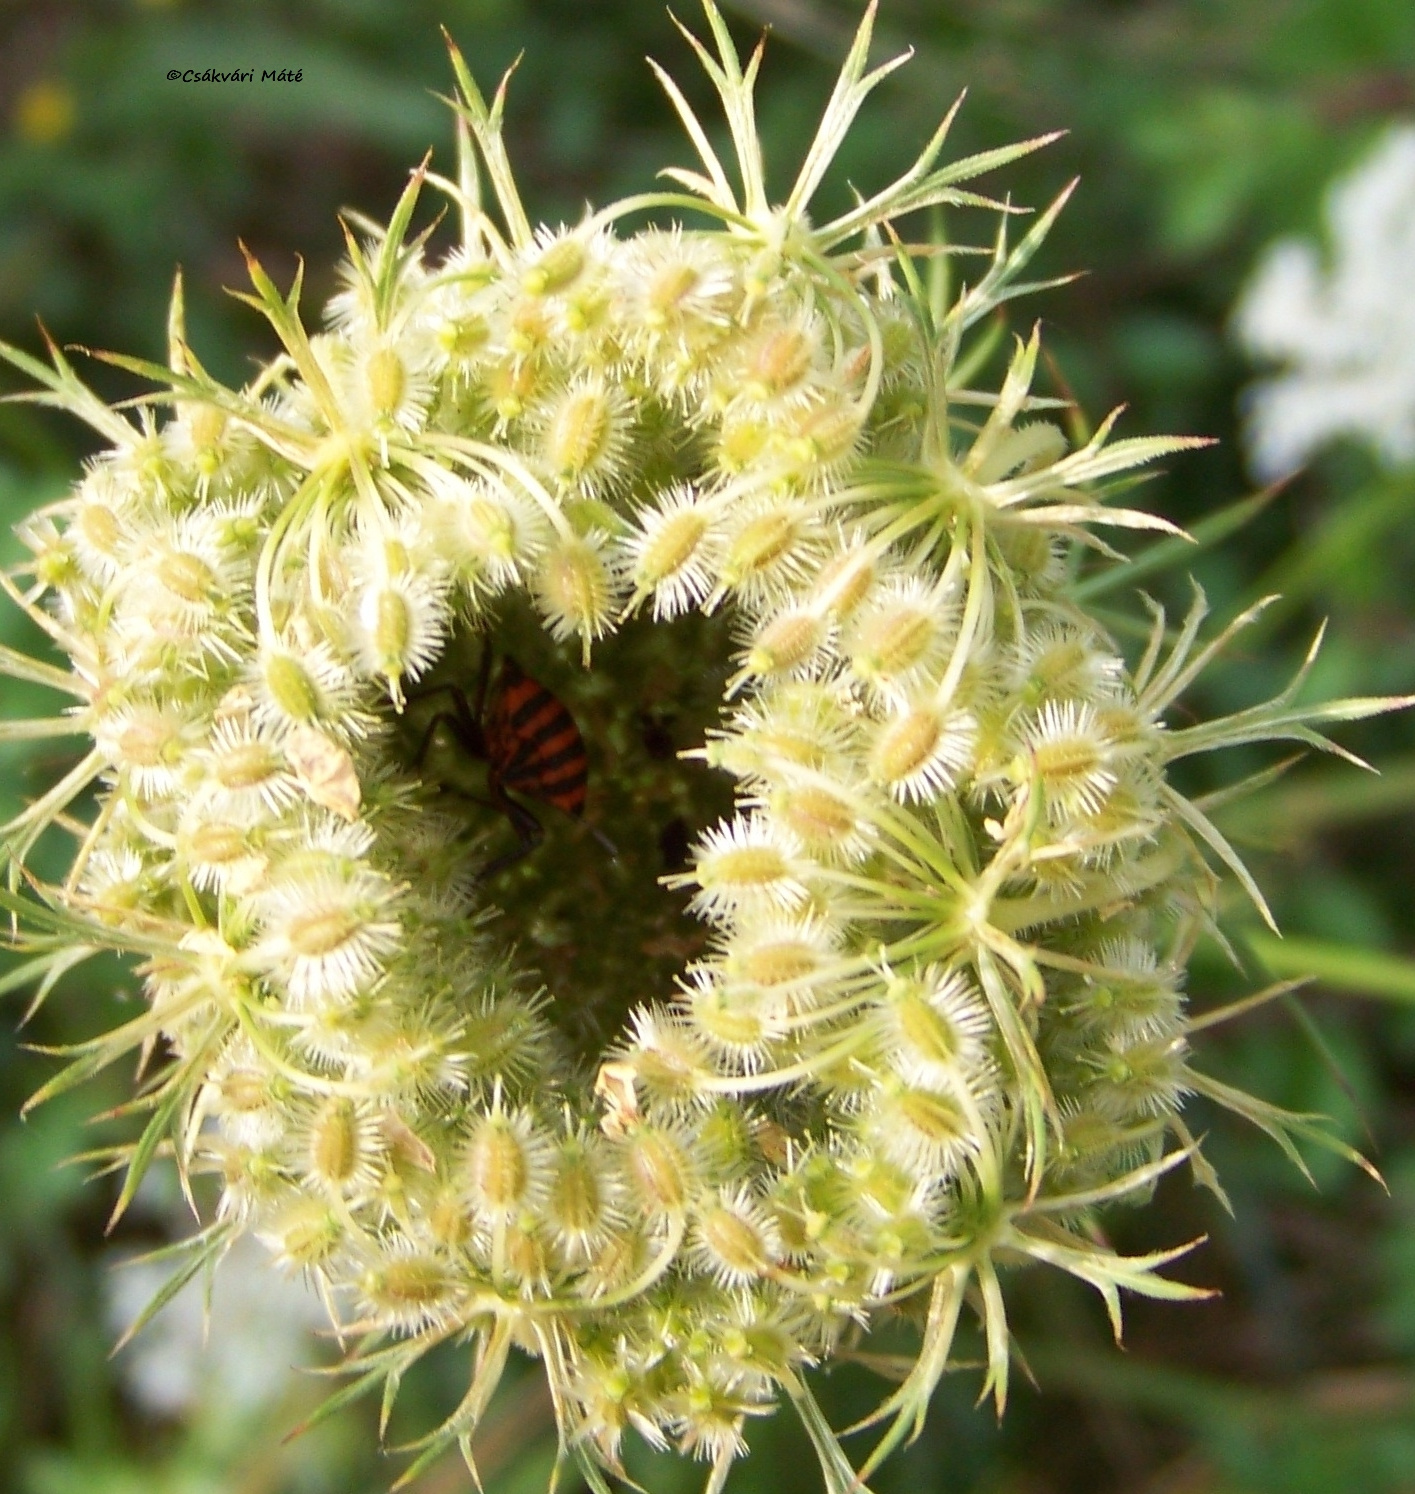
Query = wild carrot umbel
x=928 y=1014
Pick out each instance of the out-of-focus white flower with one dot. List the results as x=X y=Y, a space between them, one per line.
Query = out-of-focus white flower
x=239 y=1358
x=1345 y=329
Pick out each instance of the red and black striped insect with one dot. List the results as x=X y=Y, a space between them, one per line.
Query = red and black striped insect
x=530 y=744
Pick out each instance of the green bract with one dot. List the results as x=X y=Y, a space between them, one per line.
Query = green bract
x=727 y=491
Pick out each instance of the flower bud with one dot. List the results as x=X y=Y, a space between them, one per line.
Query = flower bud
x=785 y=643
x=666 y=553
x=845 y=581
x=828 y=822
x=342 y=1147
x=585 y=442
x=556 y=268
x=580 y=1208
x=897 y=637
x=658 y=1170
x=924 y=1130
x=408 y=1291
x=745 y=864
x=387 y=378
x=922 y=752
x=737 y=1240
x=760 y=545
x=734 y=1022
x=307 y=1236
x=577 y=589
x=506 y=1166
x=292 y=691
x=779 y=361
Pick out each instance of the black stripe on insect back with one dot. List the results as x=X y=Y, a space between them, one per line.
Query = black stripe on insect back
x=534 y=746
x=560 y=725
x=546 y=744
x=547 y=765
x=540 y=702
x=553 y=779
x=568 y=800
x=539 y=782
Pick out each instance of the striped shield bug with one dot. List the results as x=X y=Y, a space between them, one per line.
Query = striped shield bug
x=530 y=744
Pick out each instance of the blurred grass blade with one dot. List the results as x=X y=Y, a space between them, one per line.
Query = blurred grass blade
x=1361 y=972
x=1168 y=553
x=1282 y=815
x=1331 y=554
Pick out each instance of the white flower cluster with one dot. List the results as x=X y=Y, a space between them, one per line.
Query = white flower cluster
x=224 y=1356
x=939 y=1017
x=1344 y=323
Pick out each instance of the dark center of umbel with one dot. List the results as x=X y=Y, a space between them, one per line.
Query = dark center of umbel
x=569 y=784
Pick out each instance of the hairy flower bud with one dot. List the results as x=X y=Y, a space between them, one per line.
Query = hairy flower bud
x=506 y=1166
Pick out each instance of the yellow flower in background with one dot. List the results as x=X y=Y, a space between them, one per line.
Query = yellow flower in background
x=45 y=111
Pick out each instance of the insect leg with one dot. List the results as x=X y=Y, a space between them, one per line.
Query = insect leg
x=529 y=833
x=483 y=682
x=442 y=718
x=459 y=719
x=428 y=691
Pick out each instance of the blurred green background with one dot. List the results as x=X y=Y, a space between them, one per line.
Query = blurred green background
x=1201 y=129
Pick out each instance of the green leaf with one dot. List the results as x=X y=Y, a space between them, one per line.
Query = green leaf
x=1134 y=1181
x=46 y=969
x=995 y=1334
x=1214 y=838
x=852 y=87
x=1279 y=1124
x=485 y=124
x=68 y=392
x=908 y=1406
x=837 y=1472
x=205 y=1249
x=715 y=186
x=175 y=1088
x=1107 y=1272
